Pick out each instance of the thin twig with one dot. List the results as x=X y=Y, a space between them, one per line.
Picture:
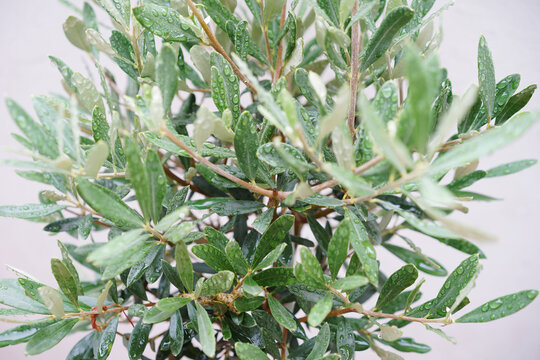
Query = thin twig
x=355 y=51
x=217 y=46
x=279 y=60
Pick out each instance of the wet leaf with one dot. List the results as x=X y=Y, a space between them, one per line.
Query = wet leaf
x=281 y=314
x=396 y=283
x=49 y=336
x=486 y=76
x=206 y=331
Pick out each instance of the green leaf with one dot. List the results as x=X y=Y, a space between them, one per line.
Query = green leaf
x=96 y=157
x=484 y=144
x=382 y=39
x=467 y=180
x=271 y=258
x=247 y=351
x=217 y=283
x=456 y=287
x=40 y=139
x=486 y=76
x=173 y=303
x=424 y=264
x=157 y=182
x=155 y=315
x=127 y=259
x=30 y=211
x=138 y=177
x=514 y=104
x=281 y=314
x=244 y=304
x=338 y=247
x=106 y=339
x=13 y=294
x=119 y=10
x=126 y=59
x=49 y=336
x=66 y=281
x=464 y=246
x=167 y=75
x=396 y=283
x=510 y=168
x=344 y=339
x=107 y=252
x=165 y=22
x=207 y=149
x=138 y=340
x=184 y=265
x=212 y=256
x=21 y=333
x=278 y=276
x=87 y=92
x=171 y=274
x=386 y=101
x=318 y=312
x=108 y=204
x=390 y=147
x=236 y=207
x=225 y=87
x=272 y=237
x=363 y=248
x=75 y=31
x=321 y=343
x=310 y=268
x=500 y=307
x=405 y=344
x=236 y=257
x=350 y=282
x=176 y=332
x=206 y=331
x=246 y=144
x=283 y=156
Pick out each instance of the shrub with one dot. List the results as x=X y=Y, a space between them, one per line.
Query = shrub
x=260 y=157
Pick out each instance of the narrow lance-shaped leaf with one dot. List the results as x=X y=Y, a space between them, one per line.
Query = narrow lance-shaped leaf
x=157 y=183
x=338 y=247
x=321 y=343
x=246 y=144
x=500 y=307
x=514 y=104
x=65 y=281
x=138 y=177
x=510 y=168
x=486 y=76
x=396 y=283
x=49 y=336
x=184 y=265
x=167 y=75
x=247 y=351
x=53 y=300
x=138 y=340
x=382 y=39
x=22 y=333
x=212 y=256
x=456 y=287
x=225 y=86
x=363 y=248
x=176 y=332
x=106 y=339
x=422 y=263
x=30 y=211
x=272 y=237
x=236 y=257
x=108 y=204
x=281 y=314
x=206 y=331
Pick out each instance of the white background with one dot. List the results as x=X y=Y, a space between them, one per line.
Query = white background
x=30 y=30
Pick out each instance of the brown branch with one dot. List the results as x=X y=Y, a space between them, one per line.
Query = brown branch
x=355 y=51
x=279 y=56
x=254 y=188
x=217 y=46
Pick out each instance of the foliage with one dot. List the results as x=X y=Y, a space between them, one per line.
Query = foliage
x=248 y=176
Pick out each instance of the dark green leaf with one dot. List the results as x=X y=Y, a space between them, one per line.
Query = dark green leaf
x=338 y=247
x=157 y=181
x=246 y=144
x=363 y=248
x=206 y=331
x=236 y=207
x=278 y=276
x=486 y=76
x=236 y=257
x=281 y=314
x=405 y=344
x=344 y=339
x=164 y=22
x=500 y=307
x=321 y=343
x=106 y=340
x=217 y=283
x=212 y=256
x=382 y=39
x=515 y=103
x=396 y=283
x=138 y=340
x=176 y=332
x=21 y=333
x=309 y=269
x=247 y=351
x=184 y=265
x=432 y=267
x=138 y=177
x=272 y=237
x=65 y=280
x=49 y=336
x=225 y=87
x=126 y=60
